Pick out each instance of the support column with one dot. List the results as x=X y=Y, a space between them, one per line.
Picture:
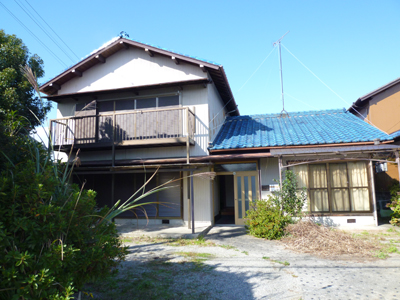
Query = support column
x=280 y=172
x=371 y=170
x=192 y=199
x=398 y=163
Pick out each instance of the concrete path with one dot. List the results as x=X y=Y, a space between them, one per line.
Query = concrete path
x=307 y=277
x=161 y=231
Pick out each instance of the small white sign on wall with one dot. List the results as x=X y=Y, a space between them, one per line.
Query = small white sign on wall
x=380 y=167
x=274 y=187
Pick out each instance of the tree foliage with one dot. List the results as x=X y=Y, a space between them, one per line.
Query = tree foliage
x=53 y=238
x=395 y=204
x=16 y=93
x=290 y=199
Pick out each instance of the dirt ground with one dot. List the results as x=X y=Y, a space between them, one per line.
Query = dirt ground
x=228 y=264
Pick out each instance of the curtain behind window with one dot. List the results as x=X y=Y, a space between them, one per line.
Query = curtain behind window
x=318 y=188
x=358 y=178
x=339 y=187
x=301 y=172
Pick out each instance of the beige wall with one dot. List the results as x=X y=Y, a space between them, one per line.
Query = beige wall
x=384 y=110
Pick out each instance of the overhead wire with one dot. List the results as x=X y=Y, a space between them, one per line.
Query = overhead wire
x=241 y=88
x=347 y=103
x=66 y=45
x=44 y=30
x=37 y=39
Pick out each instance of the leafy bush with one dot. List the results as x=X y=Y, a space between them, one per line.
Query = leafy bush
x=53 y=239
x=266 y=220
x=395 y=205
x=290 y=199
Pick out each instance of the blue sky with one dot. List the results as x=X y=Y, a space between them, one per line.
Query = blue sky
x=352 y=46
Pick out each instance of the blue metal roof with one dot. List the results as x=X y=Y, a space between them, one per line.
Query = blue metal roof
x=295 y=129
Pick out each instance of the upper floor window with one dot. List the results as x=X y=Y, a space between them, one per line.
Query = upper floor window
x=128 y=104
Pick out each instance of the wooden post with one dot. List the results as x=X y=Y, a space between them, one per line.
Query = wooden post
x=371 y=170
x=398 y=163
x=50 y=141
x=112 y=190
x=280 y=172
x=192 y=199
x=213 y=199
x=113 y=142
x=259 y=180
x=187 y=136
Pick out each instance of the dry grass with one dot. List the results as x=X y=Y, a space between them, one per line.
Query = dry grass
x=308 y=237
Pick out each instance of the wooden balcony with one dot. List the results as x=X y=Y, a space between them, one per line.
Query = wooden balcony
x=139 y=128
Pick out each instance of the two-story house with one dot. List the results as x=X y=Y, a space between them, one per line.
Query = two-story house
x=131 y=108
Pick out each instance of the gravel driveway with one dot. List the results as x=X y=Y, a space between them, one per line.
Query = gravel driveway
x=307 y=277
x=233 y=265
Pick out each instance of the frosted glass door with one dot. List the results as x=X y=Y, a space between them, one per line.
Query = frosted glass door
x=246 y=190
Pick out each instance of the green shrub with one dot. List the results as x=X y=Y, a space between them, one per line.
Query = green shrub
x=290 y=199
x=266 y=220
x=395 y=205
x=53 y=239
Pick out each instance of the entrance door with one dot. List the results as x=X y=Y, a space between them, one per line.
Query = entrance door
x=246 y=190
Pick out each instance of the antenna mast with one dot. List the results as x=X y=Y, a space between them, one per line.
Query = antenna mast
x=278 y=42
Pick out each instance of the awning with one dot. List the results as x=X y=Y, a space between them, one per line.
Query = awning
x=335 y=150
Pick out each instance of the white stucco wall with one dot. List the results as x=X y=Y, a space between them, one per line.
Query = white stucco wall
x=217 y=111
x=269 y=173
x=143 y=69
x=129 y=68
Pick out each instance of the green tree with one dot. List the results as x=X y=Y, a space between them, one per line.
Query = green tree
x=16 y=93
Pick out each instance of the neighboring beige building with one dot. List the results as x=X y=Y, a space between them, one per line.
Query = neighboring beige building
x=381 y=108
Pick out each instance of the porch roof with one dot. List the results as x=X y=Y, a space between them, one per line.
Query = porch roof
x=295 y=129
x=335 y=150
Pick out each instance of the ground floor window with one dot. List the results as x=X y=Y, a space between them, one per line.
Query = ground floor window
x=165 y=204
x=335 y=187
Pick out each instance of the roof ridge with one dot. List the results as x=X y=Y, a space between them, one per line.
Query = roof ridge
x=290 y=114
x=173 y=51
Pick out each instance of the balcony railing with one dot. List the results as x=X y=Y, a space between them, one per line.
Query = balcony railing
x=170 y=126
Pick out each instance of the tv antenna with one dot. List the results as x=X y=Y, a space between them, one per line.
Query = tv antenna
x=278 y=42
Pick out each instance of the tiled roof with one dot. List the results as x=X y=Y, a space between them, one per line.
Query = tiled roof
x=295 y=129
